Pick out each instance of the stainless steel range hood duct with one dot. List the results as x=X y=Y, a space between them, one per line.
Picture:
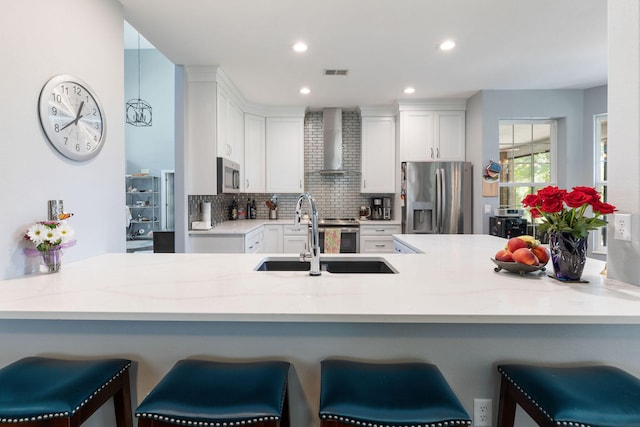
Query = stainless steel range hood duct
x=332 y=132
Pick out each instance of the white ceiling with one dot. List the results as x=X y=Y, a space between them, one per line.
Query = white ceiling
x=385 y=44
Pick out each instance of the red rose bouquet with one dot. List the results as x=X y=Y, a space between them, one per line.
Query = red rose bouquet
x=562 y=210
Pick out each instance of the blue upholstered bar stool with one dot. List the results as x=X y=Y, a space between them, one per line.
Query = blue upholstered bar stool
x=387 y=395
x=585 y=396
x=48 y=392
x=205 y=393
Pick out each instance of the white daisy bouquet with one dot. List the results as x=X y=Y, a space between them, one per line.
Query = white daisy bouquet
x=47 y=235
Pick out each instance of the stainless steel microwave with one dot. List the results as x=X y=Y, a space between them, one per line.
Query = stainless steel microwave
x=228 y=176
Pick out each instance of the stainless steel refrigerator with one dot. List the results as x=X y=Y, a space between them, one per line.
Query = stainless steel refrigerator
x=437 y=197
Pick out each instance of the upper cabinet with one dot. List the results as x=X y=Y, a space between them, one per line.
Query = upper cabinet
x=254 y=154
x=230 y=130
x=214 y=127
x=428 y=134
x=200 y=143
x=285 y=154
x=378 y=154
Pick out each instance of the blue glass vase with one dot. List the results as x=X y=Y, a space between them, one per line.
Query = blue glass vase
x=568 y=255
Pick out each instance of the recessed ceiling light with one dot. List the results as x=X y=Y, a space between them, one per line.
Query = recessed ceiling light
x=447 y=45
x=409 y=90
x=305 y=91
x=300 y=47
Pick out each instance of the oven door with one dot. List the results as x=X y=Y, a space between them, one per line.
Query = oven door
x=349 y=240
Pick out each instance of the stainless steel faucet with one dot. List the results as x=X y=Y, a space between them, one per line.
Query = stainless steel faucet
x=313 y=239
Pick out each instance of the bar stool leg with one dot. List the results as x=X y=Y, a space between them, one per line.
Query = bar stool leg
x=286 y=420
x=122 y=402
x=506 y=406
x=509 y=397
x=120 y=390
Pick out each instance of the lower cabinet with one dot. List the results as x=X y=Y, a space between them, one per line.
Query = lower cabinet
x=272 y=243
x=295 y=239
x=216 y=244
x=376 y=238
x=253 y=241
x=401 y=248
x=250 y=243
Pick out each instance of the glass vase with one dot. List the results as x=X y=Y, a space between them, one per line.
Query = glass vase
x=51 y=260
x=568 y=255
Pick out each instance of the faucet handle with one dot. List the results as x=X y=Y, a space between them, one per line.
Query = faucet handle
x=305 y=256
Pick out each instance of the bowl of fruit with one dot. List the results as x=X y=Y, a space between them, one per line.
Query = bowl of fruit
x=522 y=255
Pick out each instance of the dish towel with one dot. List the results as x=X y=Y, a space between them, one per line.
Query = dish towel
x=332 y=240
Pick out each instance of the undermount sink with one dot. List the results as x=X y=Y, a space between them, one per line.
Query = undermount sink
x=355 y=265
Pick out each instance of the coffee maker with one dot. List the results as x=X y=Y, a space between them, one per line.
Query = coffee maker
x=386 y=208
x=377 y=211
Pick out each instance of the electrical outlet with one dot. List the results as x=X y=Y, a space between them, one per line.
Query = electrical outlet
x=487 y=209
x=482 y=412
x=622 y=227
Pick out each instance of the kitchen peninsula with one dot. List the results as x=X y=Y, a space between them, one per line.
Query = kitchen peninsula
x=446 y=306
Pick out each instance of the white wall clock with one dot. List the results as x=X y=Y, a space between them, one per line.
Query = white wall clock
x=72 y=118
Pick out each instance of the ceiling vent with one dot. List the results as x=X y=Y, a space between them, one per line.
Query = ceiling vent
x=335 y=72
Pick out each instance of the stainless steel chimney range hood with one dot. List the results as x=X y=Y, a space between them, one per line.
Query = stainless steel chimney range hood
x=332 y=141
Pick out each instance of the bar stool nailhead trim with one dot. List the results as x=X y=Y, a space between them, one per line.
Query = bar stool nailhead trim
x=65 y=414
x=347 y=420
x=206 y=423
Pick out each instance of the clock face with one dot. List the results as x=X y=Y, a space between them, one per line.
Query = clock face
x=72 y=118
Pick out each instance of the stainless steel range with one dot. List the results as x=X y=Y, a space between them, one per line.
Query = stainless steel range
x=349 y=229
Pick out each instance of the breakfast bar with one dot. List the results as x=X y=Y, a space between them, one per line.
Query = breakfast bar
x=446 y=306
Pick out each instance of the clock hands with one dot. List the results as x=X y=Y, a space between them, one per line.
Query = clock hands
x=78 y=117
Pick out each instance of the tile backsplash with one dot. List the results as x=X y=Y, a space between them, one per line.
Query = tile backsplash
x=336 y=196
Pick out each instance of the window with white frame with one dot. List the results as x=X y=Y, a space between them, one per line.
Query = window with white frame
x=527 y=156
x=600 y=176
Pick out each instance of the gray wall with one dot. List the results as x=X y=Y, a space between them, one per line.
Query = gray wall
x=624 y=134
x=151 y=147
x=33 y=171
x=486 y=108
x=466 y=354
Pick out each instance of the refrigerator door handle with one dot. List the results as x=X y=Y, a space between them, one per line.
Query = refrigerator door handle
x=443 y=199
x=438 y=197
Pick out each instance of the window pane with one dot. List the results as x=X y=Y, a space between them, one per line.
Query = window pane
x=600 y=144
x=525 y=157
x=522 y=172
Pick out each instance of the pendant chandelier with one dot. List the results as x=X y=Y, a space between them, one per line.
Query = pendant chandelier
x=138 y=110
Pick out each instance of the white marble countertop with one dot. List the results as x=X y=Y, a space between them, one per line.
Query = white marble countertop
x=452 y=282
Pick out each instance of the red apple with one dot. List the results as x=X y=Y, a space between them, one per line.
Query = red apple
x=542 y=254
x=504 y=255
x=515 y=243
x=525 y=256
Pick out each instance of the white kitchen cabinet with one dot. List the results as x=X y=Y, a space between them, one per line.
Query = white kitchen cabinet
x=378 y=155
x=216 y=244
x=284 y=154
x=201 y=134
x=429 y=136
x=450 y=135
x=295 y=238
x=377 y=238
x=273 y=239
x=230 y=128
x=254 y=154
x=401 y=248
x=253 y=241
x=215 y=128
